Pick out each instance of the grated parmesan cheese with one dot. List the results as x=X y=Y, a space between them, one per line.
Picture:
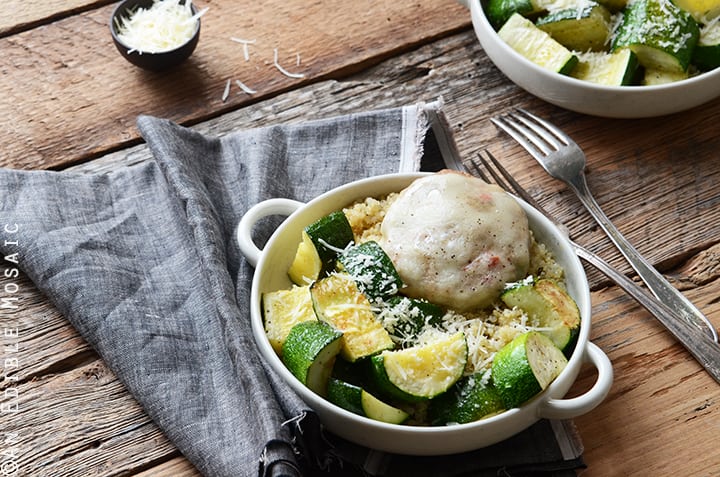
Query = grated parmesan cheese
x=164 y=26
x=245 y=43
x=244 y=87
x=486 y=331
x=226 y=92
x=283 y=70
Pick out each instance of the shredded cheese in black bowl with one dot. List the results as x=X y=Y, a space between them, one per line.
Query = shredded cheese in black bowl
x=155 y=34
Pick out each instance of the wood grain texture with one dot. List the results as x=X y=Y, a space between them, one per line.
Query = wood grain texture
x=55 y=346
x=175 y=467
x=84 y=97
x=657 y=179
x=457 y=70
x=26 y=15
x=662 y=406
x=81 y=422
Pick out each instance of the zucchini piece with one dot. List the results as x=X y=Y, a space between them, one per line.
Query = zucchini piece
x=422 y=372
x=306 y=265
x=499 y=11
x=378 y=410
x=611 y=69
x=583 y=28
x=337 y=300
x=346 y=395
x=525 y=367
x=355 y=373
x=357 y=400
x=659 y=33
x=654 y=77
x=405 y=318
x=372 y=269
x=536 y=45
x=309 y=353
x=701 y=10
x=706 y=55
x=550 y=307
x=470 y=399
x=283 y=309
x=318 y=251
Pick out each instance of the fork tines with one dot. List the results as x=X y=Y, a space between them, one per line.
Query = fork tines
x=505 y=180
x=535 y=134
x=501 y=177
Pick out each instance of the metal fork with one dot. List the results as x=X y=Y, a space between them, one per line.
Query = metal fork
x=563 y=159
x=701 y=347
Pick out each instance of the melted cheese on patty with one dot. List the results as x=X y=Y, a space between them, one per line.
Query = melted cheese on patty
x=456 y=240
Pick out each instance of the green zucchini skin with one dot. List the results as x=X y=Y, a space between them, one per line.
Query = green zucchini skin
x=328 y=234
x=372 y=269
x=706 y=55
x=672 y=40
x=357 y=400
x=551 y=307
x=309 y=352
x=536 y=45
x=519 y=374
x=471 y=399
x=662 y=35
x=416 y=315
x=499 y=11
x=579 y=29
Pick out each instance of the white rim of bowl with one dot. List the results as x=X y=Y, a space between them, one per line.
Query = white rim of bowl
x=477 y=11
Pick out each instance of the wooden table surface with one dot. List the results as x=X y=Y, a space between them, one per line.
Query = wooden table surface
x=69 y=101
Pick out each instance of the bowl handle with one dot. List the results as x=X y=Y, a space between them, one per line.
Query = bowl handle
x=569 y=408
x=252 y=216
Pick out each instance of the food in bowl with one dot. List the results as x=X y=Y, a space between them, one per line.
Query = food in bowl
x=456 y=241
x=163 y=26
x=612 y=42
x=383 y=321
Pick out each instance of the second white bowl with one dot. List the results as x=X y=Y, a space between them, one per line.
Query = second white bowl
x=589 y=98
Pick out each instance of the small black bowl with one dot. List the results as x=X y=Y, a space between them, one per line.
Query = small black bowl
x=150 y=61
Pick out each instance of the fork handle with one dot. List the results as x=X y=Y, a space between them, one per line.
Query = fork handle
x=657 y=283
x=705 y=350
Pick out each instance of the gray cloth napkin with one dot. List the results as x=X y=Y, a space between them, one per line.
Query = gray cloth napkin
x=143 y=263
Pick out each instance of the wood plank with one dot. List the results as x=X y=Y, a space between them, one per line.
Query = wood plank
x=27 y=15
x=81 y=423
x=457 y=70
x=644 y=356
x=83 y=419
x=67 y=411
x=650 y=396
x=101 y=94
x=175 y=467
x=46 y=342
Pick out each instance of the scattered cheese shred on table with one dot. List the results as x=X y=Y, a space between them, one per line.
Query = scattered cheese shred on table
x=164 y=26
x=245 y=43
x=244 y=87
x=283 y=70
x=226 y=93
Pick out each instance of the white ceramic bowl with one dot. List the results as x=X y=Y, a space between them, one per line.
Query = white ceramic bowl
x=271 y=265
x=589 y=98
